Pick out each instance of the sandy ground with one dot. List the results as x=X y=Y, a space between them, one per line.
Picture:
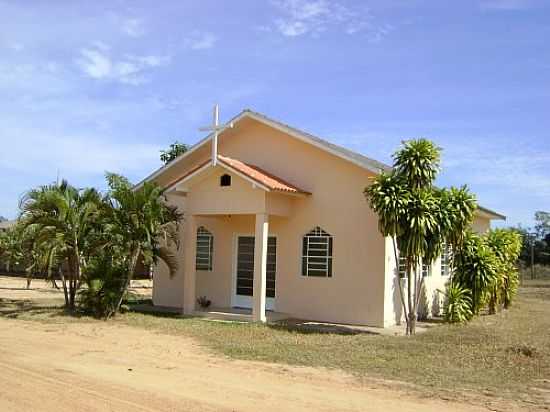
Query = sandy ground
x=94 y=366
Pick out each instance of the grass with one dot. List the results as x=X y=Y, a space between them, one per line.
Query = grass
x=506 y=355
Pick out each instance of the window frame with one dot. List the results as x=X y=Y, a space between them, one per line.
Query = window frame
x=425 y=270
x=208 y=265
x=325 y=253
x=445 y=261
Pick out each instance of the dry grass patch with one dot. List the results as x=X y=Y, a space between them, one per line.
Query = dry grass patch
x=502 y=356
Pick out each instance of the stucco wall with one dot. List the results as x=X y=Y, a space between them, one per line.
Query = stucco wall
x=363 y=288
x=355 y=292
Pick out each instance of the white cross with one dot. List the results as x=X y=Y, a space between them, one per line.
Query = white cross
x=216 y=128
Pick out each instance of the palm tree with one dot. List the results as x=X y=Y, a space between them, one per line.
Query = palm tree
x=139 y=225
x=418 y=216
x=60 y=223
x=10 y=250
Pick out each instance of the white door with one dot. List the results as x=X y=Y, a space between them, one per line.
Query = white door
x=244 y=276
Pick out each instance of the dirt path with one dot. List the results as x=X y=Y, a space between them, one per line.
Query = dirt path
x=99 y=366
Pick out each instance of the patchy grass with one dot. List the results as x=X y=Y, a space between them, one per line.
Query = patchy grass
x=503 y=356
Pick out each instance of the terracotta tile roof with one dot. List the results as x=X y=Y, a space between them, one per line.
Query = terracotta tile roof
x=261 y=176
x=254 y=173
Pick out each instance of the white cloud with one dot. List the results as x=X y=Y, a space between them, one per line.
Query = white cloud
x=506 y=163
x=133 y=27
x=200 y=40
x=97 y=63
x=313 y=17
x=75 y=155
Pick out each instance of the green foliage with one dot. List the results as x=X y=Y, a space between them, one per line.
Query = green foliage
x=418 y=163
x=68 y=232
x=542 y=226
x=104 y=280
x=58 y=224
x=536 y=241
x=458 y=304
x=506 y=245
x=417 y=215
x=477 y=270
x=139 y=224
x=11 y=253
x=486 y=267
x=173 y=152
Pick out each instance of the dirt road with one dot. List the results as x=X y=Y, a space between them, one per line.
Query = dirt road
x=101 y=366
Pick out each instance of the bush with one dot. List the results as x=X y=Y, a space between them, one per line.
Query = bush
x=506 y=245
x=458 y=304
x=104 y=285
x=476 y=269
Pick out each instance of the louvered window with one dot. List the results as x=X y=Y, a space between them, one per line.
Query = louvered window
x=205 y=249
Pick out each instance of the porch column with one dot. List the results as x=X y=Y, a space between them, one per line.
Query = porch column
x=260 y=267
x=189 y=256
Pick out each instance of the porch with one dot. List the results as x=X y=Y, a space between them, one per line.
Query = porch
x=229 y=244
x=237 y=315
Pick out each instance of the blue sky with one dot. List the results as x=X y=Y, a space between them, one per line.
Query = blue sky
x=93 y=86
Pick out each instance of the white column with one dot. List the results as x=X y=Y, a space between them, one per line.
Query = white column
x=260 y=267
x=189 y=256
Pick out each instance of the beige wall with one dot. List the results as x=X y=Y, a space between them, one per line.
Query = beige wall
x=362 y=289
x=355 y=292
x=481 y=224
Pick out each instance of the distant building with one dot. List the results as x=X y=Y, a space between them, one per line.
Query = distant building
x=6 y=224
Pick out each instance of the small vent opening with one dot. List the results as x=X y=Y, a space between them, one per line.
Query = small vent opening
x=225 y=180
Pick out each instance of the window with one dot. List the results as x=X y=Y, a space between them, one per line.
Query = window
x=402 y=266
x=225 y=180
x=446 y=254
x=426 y=270
x=205 y=248
x=317 y=254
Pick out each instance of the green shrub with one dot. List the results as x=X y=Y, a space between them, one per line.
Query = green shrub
x=476 y=269
x=104 y=285
x=506 y=245
x=458 y=304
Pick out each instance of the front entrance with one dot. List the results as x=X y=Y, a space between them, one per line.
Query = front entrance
x=244 y=276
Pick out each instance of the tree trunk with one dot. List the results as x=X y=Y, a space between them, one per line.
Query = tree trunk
x=400 y=281
x=131 y=269
x=410 y=285
x=64 y=284
x=29 y=279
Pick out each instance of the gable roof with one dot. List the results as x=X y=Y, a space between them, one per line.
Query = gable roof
x=490 y=213
x=349 y=155
x=356 y=158
x=256 y=175
x=259 y=175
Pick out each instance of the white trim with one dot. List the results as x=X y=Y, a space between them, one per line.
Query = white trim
x=270 y=302
x=331 y=257
x=191 y=150
x=186 y=178
x=305 y=138
x=255 y=183
x=222 y=164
